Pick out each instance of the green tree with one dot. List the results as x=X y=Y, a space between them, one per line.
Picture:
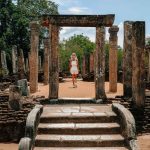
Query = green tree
x=79 y=44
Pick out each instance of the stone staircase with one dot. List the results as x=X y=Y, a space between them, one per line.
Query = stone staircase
x=88 y=127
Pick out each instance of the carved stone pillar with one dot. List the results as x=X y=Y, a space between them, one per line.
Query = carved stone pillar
x=91 y=62
x=14 y=60
x=138 y=66
x=113 y=40
x=127 y=59
x=33 y=57
x=53 y=61
x=100 y=64
x=46 y=60
x=21 y=65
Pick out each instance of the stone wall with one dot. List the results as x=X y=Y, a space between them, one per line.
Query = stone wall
x=12 y=123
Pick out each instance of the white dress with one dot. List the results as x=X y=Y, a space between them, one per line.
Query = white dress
x=74 y=68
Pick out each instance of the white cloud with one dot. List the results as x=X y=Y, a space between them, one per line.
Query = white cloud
x=78 y=10
x=67 y=32
x=65 y=2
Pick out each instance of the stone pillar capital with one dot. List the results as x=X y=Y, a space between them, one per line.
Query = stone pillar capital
x=113 y=30
x=34 y=26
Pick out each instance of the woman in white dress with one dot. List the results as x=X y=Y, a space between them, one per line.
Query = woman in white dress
x=74 y=68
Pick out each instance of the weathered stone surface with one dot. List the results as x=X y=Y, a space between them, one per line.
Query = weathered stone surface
x=4 y=63
x=46 y=60
x=33 y=57
x=14 y=60
x=127 y=59
x=127 y=123
x=32 y=122
x=53 y=61
x=25 y=144
x=12 y=123
x=21 y=65
x=113 y=61
x=24 y=87
x=15 y=97
x=91 y=62
x=100 y=64
x=79 y=20
x=138 y=70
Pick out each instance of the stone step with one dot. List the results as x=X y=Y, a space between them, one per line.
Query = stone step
x=114 y=140
x=80 y=148
x=79 y=128
x=79 y=117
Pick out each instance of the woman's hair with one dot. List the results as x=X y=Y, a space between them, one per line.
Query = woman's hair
x=71 y=57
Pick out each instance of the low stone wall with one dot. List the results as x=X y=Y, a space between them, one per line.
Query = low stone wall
x=127 y=123
x=12 y=123
x=32 y=122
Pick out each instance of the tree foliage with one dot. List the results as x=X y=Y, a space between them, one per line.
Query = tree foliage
x=15 y=16
x=79 y=44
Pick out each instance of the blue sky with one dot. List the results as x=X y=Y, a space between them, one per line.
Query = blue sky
x=134 y=10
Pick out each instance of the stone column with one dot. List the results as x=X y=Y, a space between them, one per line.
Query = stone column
x=40 y=64
x=138 y=66
x=91 y=62
x=100 y=64
x=53 y=61
x=33 y=57
x=27 y=65
x=127 y=59
x=14 y=60
x=46 y=60
x=21 y=65
x=113 y=40
x=4 y=63
x=83 y=66
x=23 y=84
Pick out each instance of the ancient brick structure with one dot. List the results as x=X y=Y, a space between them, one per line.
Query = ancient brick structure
x=33 y=57
x=46 y=60
x=113 y=40
x=138 y=66
x=127 y=59
x=100 y=64
x=12 y=123
x=4 y=63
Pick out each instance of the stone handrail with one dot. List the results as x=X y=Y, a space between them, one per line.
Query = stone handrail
x=128 y=126
x=32 y=122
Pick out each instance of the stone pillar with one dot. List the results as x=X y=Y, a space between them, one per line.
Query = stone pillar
x=46 y=60
x=21 y=65
x=33 y=57
x=83 y=66
x=15 y=97
x=100 y=64
x=4 y=63
x=40 y=64
x=27 y=65
x=23 y=84
x=127 y=59
x=14 y=60
x=138 y=66
x=91 y=62
x=54 y=63
x=113 y=40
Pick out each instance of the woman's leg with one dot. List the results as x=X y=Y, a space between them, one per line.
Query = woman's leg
x=73 y=79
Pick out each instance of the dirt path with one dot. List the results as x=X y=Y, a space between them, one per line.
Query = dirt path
x=84 y=89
